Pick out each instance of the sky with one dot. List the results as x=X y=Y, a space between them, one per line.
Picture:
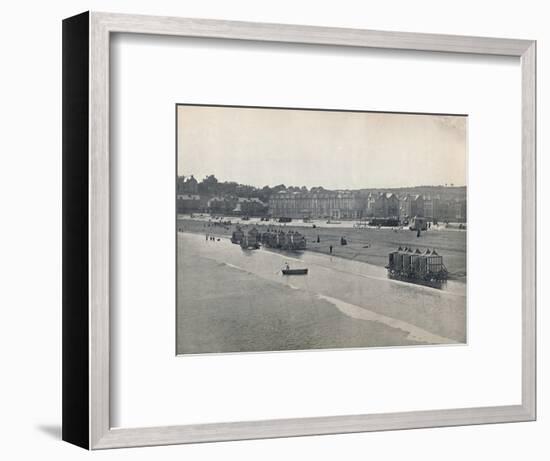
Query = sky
x=332 y=149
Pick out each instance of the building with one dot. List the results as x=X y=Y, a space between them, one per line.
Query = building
x=410 y=206
x=382 y=205
x=321 y=203
x=434 y=203
x=417 y=205
x=431 y=203
x=404 y=207
x=188 y=203
x=221 y=205
x=392 y=206
x=250 y=207
x=317 y=203
x=444 y=209
x=187 y=185
x=460 y=210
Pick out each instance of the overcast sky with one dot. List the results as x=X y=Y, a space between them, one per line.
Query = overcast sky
x=336 y=150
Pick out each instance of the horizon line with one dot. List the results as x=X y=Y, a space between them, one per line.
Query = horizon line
x=326 y=188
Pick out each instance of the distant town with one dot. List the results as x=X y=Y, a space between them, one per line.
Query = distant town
x=445 y=203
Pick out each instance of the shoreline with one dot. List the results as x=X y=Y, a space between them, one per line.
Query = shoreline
x=364 y=245
x=234 y=300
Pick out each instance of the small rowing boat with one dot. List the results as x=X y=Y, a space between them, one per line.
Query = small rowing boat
x=294 y=271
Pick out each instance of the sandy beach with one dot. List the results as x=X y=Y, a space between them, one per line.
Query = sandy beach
x=370 y=245
x=232 y=300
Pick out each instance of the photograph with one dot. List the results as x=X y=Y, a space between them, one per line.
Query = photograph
x=308 y=229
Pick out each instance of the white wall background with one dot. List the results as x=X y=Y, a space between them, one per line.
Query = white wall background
x=30 y=227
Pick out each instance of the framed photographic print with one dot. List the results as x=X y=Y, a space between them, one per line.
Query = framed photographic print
x=275 y=230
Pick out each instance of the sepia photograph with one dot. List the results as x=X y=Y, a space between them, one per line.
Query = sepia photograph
x=307 y=229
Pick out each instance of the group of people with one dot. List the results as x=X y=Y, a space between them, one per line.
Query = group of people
x=211 y=238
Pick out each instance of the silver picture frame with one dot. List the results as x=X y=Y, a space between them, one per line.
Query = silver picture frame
x=86 y=229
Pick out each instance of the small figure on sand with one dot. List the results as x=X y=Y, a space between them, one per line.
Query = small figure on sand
x=318 y=239
x=418 y=232
x=287 y=267
x=330 y=249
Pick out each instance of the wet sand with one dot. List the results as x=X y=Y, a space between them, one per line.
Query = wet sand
x=231 y=300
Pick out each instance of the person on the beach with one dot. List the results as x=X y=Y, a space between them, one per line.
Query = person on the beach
x=287 y=267
x=318 y=239
x=330 y=249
